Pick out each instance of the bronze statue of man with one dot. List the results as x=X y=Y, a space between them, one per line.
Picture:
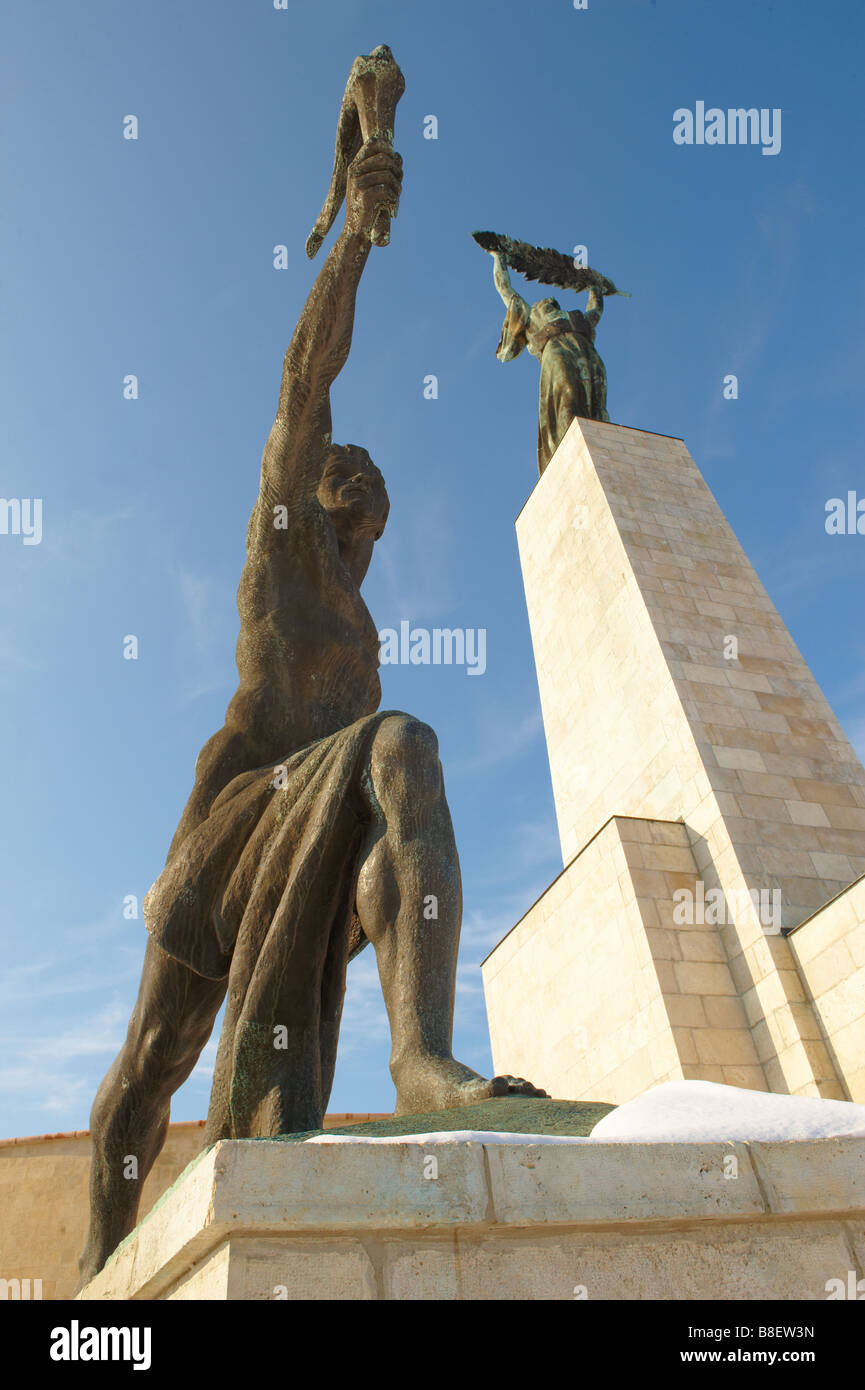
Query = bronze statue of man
x=317 y=823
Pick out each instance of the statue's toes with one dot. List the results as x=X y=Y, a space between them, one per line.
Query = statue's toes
x=516 y=1086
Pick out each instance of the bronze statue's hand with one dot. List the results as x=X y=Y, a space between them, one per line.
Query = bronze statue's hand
x=604 y=286
x=374 y=182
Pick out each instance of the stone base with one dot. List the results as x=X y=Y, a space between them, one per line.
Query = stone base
x=444 y=1219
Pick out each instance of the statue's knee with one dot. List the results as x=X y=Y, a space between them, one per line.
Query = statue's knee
x=405 y=754
x=402 y=738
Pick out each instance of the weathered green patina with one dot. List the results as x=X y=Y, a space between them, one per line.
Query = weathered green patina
x=504 y=1115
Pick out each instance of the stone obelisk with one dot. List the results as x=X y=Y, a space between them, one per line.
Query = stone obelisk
x=708 y=802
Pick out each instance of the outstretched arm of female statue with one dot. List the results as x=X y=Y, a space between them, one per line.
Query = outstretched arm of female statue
x=594 y=307
x=502 y=280
x=513 y=338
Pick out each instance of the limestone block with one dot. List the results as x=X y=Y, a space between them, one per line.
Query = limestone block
x=633 y=1182
x=795 y=1176
x=300 y=1270
x=585 y=1220
x=651 y=720
x=736 y=1264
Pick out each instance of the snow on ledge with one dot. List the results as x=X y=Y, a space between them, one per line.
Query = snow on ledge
x=673 y=1112
x=686 y=1111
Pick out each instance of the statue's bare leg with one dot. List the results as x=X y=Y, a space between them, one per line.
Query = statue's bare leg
x=409 y=901
x=277 y=1079
x=171 y=1022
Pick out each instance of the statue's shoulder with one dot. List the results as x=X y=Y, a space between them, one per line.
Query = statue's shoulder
x=290 y=550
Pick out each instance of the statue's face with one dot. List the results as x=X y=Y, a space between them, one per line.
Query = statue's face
x=352 y=492
x=541 y=313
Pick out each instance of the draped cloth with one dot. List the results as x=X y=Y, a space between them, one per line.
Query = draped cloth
x=263 y=892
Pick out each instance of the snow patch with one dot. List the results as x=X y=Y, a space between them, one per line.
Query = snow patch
x=686 y=1111
x=673 y=1112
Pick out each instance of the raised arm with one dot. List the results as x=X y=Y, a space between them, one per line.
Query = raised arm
x=594 y=306
x=513 y=336
x=299 y=440
x=502 y=279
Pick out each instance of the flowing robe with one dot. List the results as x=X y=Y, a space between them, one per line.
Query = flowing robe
x=263 y=891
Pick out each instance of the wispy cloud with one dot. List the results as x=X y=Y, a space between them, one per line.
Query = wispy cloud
x=203 y=1069
x=413 y=576
x=13 y=662
x=46 y=1065
x=76 y=546
x=203 y=610
x=77 y=962
x=364 y=1018
x=501 y=737
x=766 y=278
x=78 y=543
x=483 y=928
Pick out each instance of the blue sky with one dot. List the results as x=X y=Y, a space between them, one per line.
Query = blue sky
x=155 y=257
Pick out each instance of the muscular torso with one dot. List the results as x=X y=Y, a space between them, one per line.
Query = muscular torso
x=307 y=655
x=308 y=651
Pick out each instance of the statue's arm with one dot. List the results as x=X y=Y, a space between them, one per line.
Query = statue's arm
x=594 y=306
x=502 y=280
x=301 y=434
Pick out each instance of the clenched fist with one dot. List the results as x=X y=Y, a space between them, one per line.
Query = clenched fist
x=373 y=189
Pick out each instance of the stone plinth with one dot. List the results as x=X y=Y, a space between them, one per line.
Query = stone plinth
x=45 y=1204
x=671 y=691
x=634 y=584
x=264 y=1219
x=829 y=949
x=598 y=994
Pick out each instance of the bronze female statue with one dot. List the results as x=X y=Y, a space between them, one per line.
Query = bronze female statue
x=573 y=379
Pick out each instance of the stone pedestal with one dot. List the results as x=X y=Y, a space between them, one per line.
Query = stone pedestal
x=706 y=798
x=264 y=1219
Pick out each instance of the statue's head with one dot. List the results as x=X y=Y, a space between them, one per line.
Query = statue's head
x=353 y=494
x=541 y=312
x=536 y=325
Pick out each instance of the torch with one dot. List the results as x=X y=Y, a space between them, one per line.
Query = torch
x=375 y=85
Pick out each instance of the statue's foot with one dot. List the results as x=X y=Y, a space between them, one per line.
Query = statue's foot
x=89 y=1265
x=441 y=1083
x=86 y=1272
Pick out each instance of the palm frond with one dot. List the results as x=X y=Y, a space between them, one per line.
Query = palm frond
x=544 y=264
